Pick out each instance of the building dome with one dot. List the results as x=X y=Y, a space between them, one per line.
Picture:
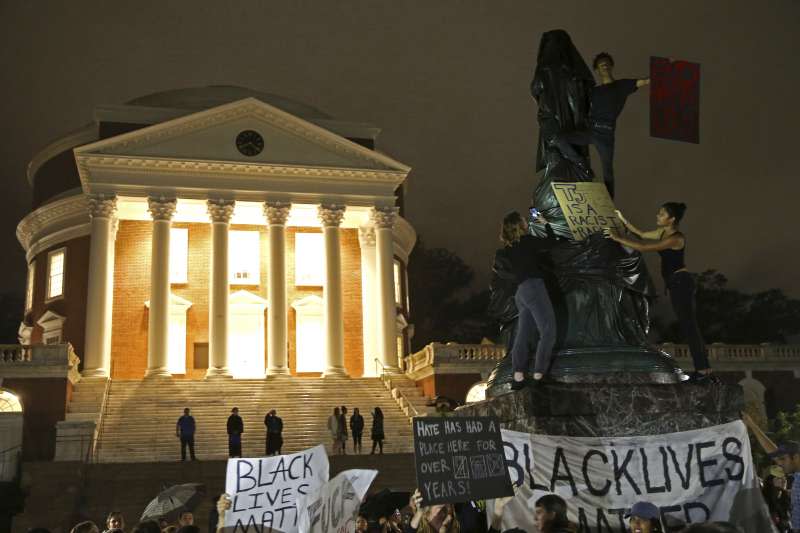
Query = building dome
x=199 y=98
x=52 y=172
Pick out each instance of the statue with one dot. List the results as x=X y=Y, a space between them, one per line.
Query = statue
x=601 y=292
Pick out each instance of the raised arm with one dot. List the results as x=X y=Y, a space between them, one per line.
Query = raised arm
x=672 y=242
x=653 y=235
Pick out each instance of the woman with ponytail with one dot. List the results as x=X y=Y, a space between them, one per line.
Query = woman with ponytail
x=670 y=243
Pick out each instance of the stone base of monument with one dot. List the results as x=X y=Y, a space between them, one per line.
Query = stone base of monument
x=629 y=365
x=612 y=410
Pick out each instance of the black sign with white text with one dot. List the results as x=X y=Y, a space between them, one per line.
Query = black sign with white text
x=459 y=459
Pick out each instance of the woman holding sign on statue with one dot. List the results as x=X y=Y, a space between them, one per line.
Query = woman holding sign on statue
x=670 y=243
x=536 y=315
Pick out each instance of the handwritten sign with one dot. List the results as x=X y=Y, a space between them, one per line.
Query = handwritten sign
x=675 y=100
x=264 y=491
x=459 y=459
x=333 y=508
x=692 y=476
x=587 y=207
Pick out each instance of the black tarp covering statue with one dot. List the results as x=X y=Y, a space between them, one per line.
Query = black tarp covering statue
x=601 y=293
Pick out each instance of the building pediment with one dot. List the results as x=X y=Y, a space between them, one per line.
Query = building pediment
x=199 y=151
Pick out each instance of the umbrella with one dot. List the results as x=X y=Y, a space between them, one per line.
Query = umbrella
x=384 y=503
x=174 y=500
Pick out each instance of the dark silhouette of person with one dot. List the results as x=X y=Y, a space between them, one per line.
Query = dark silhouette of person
x=235 y=430
x=274 y=426
x=377 y=430
x=185 y=429
x=357 y=429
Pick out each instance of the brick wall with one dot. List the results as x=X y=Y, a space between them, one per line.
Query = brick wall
x=132 y=289
x=453 y=386
x=73 y=304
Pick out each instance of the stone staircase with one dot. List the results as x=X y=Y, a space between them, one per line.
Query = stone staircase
x=138 y=422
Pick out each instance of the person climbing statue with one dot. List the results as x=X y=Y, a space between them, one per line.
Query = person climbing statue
x=607 y=101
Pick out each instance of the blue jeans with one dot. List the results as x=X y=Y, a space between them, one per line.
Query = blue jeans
x=537 y=321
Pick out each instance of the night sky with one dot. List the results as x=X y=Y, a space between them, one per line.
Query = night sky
x=447 y=81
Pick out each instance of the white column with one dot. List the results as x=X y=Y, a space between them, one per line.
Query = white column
x=220 y=212
x=331 y=216
x=97 y=347
x=161 y=209
x=369 y=307
x=276 y=214
x=384 y=218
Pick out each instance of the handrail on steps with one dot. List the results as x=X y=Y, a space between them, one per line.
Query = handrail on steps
x=385 y=379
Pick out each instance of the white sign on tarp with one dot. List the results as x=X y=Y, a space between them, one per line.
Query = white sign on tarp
x=692 y=476
x=333 y=508
x=264 y=491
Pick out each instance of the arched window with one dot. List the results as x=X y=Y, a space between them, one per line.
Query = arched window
x=9 y=402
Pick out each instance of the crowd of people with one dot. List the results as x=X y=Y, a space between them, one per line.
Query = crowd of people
x=338 y=425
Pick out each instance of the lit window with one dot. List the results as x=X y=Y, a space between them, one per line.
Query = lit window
x=55 y=273
x=309 y=260
x=244 y=257
x=398 y=287
x=178 y=255
x=9 y=402
x=29 y=287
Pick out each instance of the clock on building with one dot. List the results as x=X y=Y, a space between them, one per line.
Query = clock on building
x=250 y=143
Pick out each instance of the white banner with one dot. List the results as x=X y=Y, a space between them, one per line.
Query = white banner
x=264 y=491
x=333 y=508
x=692 y=476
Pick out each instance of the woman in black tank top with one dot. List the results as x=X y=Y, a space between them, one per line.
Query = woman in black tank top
x=670 y=244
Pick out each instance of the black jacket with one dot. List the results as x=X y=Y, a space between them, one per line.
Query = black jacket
x=235 y=425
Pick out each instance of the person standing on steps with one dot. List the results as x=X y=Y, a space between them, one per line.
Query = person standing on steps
x=343 y=428
x=333 y=429
x=235 y=430
x=274 y=426
x=184 y=430
x=357 y=429
x=377 y=430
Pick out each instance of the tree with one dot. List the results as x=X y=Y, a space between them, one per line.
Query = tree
x=440 y=309
x=735 y=317
x=10 y=317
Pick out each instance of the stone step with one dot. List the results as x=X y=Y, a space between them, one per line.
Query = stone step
x=139 y=416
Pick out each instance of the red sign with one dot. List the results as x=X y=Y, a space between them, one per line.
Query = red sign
x=675 y=100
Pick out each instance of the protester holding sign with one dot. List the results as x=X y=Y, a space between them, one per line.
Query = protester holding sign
x=607 y=101
x=536 y=315
x=670 y=243
x=432 y=519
